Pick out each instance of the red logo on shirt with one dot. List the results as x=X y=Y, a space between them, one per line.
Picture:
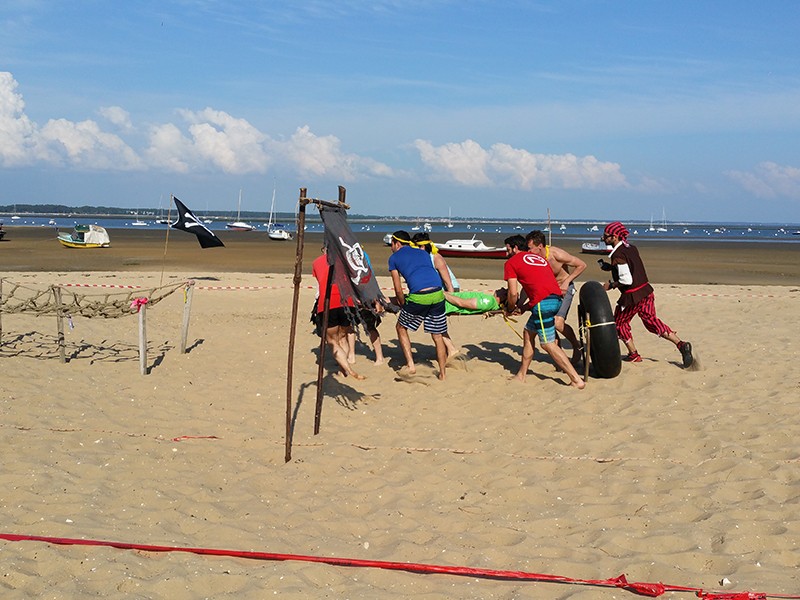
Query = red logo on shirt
x=534 y=260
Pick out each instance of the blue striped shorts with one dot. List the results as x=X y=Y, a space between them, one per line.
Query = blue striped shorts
x=542 y=321
x=412 y=315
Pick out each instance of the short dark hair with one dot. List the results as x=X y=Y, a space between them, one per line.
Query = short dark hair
x=516 y=241
x=422 y=236
x=537 y=237
x=401 y=236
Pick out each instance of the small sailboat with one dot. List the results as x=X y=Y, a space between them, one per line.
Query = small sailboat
x=663 y=228
x=238 y=224
x=276 y=231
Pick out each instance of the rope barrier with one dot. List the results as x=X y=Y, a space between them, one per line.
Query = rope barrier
x=621 y=582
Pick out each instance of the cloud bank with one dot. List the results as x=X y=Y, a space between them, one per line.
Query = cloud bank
x=210 y=140
x=770 y=180
x=470 y=164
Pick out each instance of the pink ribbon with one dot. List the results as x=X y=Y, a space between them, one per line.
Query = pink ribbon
x=138 y=303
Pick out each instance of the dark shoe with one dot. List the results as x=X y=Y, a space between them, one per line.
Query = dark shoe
x=686 y=354
x=632 y=357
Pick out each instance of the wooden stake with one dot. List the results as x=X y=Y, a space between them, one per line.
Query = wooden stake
x=60 y=323
x=143 y=339
x=187 y=309
x=322 y=347
x=1 y=312
x=298 y=276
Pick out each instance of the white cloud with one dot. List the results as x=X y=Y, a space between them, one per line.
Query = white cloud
x=84 y=144
x=206 y=140
x=770 y=180
x=469 y=164
x=322 y=156
x=16 y=129
x=59 y=142
x=118 y=116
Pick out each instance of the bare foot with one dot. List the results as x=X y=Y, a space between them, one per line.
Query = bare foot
x=441 y=376
x=580 y=384
x=408 y=370
x=517 y=377
x=379 y=361
x=355 y=375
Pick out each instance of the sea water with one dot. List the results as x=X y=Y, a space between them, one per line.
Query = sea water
x=441 y=230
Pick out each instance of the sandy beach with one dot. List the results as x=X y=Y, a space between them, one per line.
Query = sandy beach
x=686 y=477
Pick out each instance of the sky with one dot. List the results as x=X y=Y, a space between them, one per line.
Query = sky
x=592 y=109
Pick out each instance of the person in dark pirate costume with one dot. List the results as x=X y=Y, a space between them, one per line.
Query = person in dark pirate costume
x=636 y=295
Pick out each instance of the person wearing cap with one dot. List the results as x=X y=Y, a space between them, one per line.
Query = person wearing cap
x=424 y=303
x=533 y=274
x=636 y=295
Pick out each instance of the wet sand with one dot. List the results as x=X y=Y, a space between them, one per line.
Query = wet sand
x=36 y=249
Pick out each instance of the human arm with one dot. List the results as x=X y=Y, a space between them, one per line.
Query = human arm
x=572 y=265
x=513 y=295
x=441 y=266
x=398 y=287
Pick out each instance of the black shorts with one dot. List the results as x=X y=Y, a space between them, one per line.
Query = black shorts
x=337 y=317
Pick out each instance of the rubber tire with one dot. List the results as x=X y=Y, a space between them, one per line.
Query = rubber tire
x=604 y=347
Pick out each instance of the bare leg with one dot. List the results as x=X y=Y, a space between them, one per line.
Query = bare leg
x=405 y=344
x=350 y=344
x=375 y=338
x=336 y=339
x=672 y=337
x=441 y=352
x=527 y=355
x=560 y=358
x=568 y=332
x=450 y=347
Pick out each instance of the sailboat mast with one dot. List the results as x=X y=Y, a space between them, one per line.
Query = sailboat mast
x=239 y=208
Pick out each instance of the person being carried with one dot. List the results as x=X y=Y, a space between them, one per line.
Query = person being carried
x=566 y=268
x=424 y=303
x=474 y=303
x=339 y=324
x=534 y=275
x=637 y=296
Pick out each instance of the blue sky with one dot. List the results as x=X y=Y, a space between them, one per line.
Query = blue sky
x=503 y=108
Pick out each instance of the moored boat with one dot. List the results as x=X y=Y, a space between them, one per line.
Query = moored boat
x=85 y=236
x=470 y=248
x=595 y=248
x=238 y=224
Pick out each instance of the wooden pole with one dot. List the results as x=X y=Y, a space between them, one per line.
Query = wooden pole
x=143 y=339
x=323 y=344
x=187 y=309
x=298 y=276
x=549 y=230
x=60 y=323
x=1 y=312
x=322 y=347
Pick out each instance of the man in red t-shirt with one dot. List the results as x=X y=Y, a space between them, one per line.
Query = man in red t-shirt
x=339 y=324
x=534 y=274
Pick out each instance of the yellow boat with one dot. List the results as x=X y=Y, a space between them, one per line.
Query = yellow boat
x=85 y=236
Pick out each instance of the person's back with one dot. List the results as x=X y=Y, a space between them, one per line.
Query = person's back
x=416 y=268
x=534 y=275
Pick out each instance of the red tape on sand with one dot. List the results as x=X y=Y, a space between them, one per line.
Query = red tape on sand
x=643 y=589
